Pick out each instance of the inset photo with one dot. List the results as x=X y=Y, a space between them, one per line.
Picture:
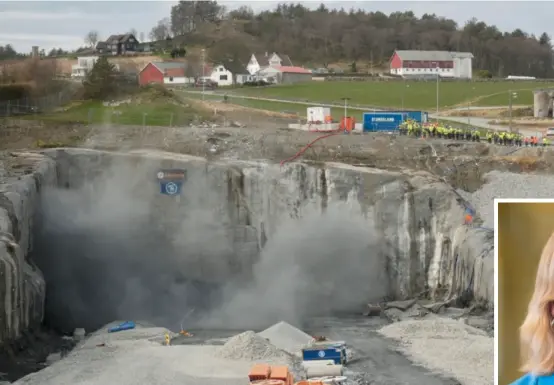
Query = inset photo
x=525 y=339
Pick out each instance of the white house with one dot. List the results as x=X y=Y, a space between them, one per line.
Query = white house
x=260 y=61
x=229 y=72
x=222 y=76
x=84 y=65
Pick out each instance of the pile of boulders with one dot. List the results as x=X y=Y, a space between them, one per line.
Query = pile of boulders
x=414 y=309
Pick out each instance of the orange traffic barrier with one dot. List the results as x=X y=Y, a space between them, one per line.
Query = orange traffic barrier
x=468 y=219
x=279 y=373
x=268 y=382
x=259 y=372
x=347 y=123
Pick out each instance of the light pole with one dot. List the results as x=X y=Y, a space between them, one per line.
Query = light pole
x=438 y=77
x=403 y=92
x=512 y=95
x=469 y=107
x=345 y=106
x=203 y=74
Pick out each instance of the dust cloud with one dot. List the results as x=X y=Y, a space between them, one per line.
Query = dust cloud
x=112 y=247
x=320 y=264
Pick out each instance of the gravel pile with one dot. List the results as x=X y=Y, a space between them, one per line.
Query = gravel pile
x=286 y=337
x=507 y=185
x=448 y=347
x=252 y=347
x=136 y=356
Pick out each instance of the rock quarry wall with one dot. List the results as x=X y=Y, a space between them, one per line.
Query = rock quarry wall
x=228 y=213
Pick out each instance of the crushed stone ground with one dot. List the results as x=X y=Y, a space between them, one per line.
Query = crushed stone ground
x=137 y=357
x=507 y=185
x=448 y=347
x=286 y=337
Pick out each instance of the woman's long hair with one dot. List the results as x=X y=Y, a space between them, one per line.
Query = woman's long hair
x=536 y=333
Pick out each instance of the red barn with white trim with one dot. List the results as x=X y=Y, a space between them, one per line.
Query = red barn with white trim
x=432 y=63
x=164 y=73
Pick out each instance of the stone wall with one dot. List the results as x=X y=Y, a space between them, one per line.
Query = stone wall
x=22 y=286
x=230 y=210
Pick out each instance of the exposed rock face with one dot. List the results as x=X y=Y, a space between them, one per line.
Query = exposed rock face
x=417 y=219
x=22 y=286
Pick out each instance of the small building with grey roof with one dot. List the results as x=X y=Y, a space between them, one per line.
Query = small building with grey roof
x=444 y=64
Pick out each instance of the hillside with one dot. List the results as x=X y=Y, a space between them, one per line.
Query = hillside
x=323 y=36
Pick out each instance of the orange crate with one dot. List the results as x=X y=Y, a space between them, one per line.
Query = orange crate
x=259 y=372
x=279 y=373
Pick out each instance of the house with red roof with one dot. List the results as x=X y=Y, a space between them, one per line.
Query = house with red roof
x=286 y=74
x=164 y=73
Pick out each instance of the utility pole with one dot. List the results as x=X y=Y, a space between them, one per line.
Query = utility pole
x=437 y=90
x=512 y=96
x=404 y=86
x=371 y=58
x=203 y=74
x=346 y=106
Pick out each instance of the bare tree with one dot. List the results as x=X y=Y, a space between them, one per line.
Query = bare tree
x=91 y=38
x=141 y=38
x=133 y=32
x=161 y=30
x=193 y=68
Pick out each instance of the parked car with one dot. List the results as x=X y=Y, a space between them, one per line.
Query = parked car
x=206 y=83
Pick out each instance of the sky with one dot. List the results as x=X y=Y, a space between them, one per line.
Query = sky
x=64 y=24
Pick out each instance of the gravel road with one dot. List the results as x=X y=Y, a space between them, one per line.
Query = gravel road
x=507 y=185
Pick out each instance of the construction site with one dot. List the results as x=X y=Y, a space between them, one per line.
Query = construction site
x=277 y=256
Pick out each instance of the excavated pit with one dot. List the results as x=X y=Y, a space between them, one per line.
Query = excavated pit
x=87 y=238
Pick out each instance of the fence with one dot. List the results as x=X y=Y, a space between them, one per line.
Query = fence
x=30 y=105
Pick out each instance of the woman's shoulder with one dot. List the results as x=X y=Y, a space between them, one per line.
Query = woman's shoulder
x=530 y=379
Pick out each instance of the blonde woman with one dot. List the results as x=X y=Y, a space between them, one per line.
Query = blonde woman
x=537 y=331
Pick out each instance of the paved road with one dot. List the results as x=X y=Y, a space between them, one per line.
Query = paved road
x=375 y=360
x=484 y=123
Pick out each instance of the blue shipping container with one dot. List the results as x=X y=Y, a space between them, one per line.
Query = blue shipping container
x=382 y=121
x=337 y=354
x=418 y=116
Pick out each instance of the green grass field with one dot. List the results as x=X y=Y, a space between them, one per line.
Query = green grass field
x=151 y=114
x=409 y=94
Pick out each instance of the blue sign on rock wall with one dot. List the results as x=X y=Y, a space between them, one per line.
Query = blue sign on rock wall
x=171 y=181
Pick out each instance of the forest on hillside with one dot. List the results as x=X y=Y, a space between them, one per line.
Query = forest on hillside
x=337 y=35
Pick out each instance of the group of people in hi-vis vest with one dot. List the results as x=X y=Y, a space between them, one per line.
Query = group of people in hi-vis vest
x=439 y=130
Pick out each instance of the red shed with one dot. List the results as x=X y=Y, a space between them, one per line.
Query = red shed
x=163 y=73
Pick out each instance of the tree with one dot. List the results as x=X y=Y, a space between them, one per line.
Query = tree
x=99 y=83
x=186 y=16
x=544 y=39
x=161 y=30
x=133 y=32
x=91 y=38
x=310 y=35
x=141 y=37
x=178 y=52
